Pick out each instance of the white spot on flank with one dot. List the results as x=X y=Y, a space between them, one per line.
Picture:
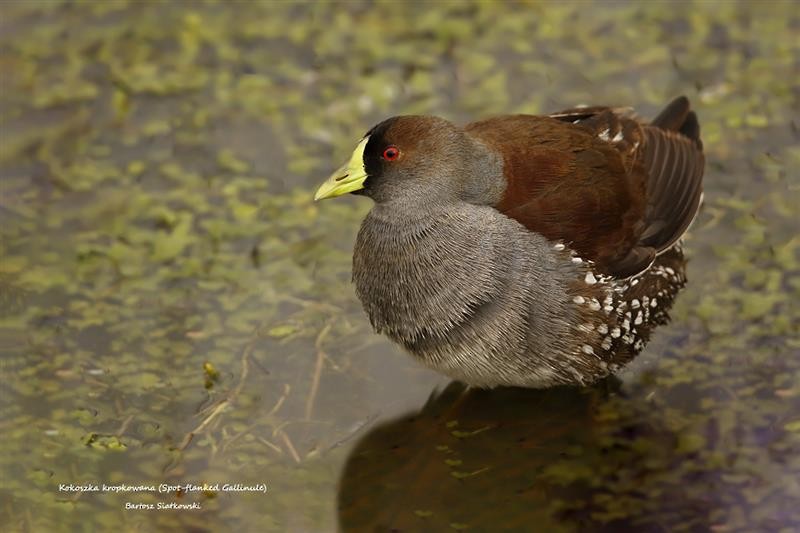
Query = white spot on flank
x=670 y=271
x=634 y=304
x=577 y=375
x=615 y=333
x=602 y=328
x=579 y=299
x=653 y=302
x=606 y=343
x=587 y=349
x=559 y=246
x=594 y=305
x=608 y=309
x=638 y=318
x=604 y=134
x=590 y=279
x=618 y=137
x=577 y=260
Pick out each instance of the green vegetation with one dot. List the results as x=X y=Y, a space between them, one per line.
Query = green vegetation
x=175 y=308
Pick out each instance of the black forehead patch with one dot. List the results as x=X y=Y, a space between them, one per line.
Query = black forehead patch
x=379 y=129
x=373 y=163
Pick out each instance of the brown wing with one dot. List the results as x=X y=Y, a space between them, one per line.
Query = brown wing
x=569 y=184
x=673 y=154
x=617 y=191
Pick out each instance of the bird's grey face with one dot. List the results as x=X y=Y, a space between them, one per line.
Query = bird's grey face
x=401 y=156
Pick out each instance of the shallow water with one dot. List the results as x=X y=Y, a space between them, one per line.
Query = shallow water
x=175 y=309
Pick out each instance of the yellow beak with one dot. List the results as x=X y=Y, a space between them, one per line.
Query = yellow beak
x=348 y=178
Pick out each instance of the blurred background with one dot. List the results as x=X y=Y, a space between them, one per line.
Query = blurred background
x=175 y=308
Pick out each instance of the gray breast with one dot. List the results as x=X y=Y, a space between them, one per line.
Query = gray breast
x=468 y=291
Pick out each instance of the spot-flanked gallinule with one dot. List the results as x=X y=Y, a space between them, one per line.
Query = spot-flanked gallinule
x=524 y=250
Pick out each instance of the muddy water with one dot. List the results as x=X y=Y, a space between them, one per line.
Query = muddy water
x=175 y=309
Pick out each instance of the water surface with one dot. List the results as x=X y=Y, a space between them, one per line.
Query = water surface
x=174 y=307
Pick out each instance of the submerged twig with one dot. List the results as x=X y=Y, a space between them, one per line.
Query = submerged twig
x=124 y=426
x=321 y=356
x=228 y=400
x=278 y=404
x=286 y=390
x=355 y=430
x=269 y=444
x=245 y=369
x=289 y=446
x=217 y=410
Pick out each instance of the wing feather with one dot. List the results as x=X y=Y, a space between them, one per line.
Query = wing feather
x=615 y=189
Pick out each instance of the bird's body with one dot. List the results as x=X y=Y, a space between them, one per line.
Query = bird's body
x=525 y=250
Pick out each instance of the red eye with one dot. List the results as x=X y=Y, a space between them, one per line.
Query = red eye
x=391 y=153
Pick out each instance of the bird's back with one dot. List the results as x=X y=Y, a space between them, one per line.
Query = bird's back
x=617 y=190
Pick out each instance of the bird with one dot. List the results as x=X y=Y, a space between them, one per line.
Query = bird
x=524 y=250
